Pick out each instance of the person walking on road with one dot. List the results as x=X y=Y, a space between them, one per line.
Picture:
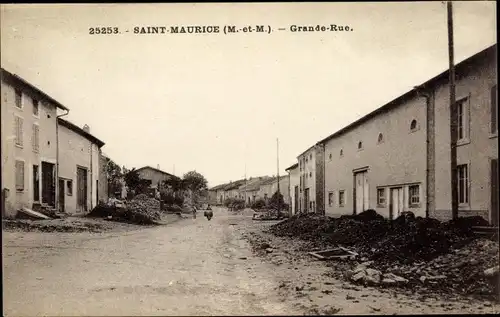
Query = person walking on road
x=194 y=212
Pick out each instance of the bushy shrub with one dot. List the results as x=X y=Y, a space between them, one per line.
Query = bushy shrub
x=277 y=200
x=179 y=200
x=258 y=204
x=234 y=203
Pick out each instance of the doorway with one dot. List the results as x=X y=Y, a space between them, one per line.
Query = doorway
x=306 y=200
x=48 y=184
x=396 y=204
x=81 y=191
x=61 y=195
x=296 y=199
x=494 y=192
x=36 y=184
x=361 y=192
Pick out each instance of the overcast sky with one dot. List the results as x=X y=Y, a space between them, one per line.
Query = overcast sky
x=215 y=103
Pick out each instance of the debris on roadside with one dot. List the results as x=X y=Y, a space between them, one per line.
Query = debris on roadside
x=53 y=225
x=140 y=210
x=407 y=252
x=268 y=214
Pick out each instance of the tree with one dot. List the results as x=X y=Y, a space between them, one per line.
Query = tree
x=194 y=181
x=114 y=175
x=277 y=201
x=135 y=182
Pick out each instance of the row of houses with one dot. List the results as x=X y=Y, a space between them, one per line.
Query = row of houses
x=252 y=189
x=47 y=161
x=397 y=158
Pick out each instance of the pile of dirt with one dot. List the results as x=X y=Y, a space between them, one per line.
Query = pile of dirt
x=141 y=210
x=269 y=214
x=407 y=247
x=54 y=225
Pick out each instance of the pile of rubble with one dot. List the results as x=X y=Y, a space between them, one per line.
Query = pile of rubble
x=140 y=210
x=408 y=251
x=269 y=214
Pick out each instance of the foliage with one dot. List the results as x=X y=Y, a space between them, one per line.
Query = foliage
x=259 y=204
x=234 y=203
x=135 y=182
x=114 y=175
x=277 y=201
x=175 y=183
x=194 y=181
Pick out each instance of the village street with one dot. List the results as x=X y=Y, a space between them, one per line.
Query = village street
x=191 y=267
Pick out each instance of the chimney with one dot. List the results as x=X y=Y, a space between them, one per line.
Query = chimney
x=158 y=166
x=86 y=128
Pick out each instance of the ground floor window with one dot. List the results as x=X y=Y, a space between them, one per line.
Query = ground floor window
x=69 y=187
x=19 y=175
x=414 y=193
x=463 y=184
x=330 y=199
x=341 y=198
x=381 y=196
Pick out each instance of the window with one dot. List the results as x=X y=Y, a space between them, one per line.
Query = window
x=494 y=109
x=360 y=145
x=462 y=119
x=413 y=125
x=414 y=193
x=341 y=152
x=330 y=156
x=20 y=176
x=310 y=156
x=463 y=184
x=69 y=187
x=310 y=174
x=36 y=138
x=381 y=196
x=19 y=131
x=341 y=198
x=380 y=138
x=330 y=199
x=36 y=107
x=19 y=99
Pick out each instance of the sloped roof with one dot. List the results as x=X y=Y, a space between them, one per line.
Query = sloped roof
x=156 y=170
x=234 y=185
x=20 y=82
x=460 y=67
x=73 y=127
x=294 y=166
x=254 y=184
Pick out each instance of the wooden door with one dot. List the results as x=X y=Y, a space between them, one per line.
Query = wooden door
x=48 y=184
x=396 y=204
x=296 y=198
x=81 y=191
x=36 y=183
x=62 y=207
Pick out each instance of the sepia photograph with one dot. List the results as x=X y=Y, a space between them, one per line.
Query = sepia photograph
x=246 y=159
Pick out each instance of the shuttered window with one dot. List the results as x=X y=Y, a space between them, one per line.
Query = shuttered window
x=36 y=138
x=19 y=98
x=19 y=175
x=18 y=126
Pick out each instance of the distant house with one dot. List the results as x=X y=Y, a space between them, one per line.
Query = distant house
x=232 y=189
x=269 y=187
x=154 y=176
x=293 y=192
x=82 y=176
x=250 y=190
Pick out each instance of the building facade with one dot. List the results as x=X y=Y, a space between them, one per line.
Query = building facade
x=29 y=145
x=307 y=180
x=293 y=188
x=155 y=176
x=397 y=158
x=81 y=174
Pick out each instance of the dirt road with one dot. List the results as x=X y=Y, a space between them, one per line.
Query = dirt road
x=192 y=267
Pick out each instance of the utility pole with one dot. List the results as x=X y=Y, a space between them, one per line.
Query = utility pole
x=453 y=116
x=246 y=184
x=278 y=167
